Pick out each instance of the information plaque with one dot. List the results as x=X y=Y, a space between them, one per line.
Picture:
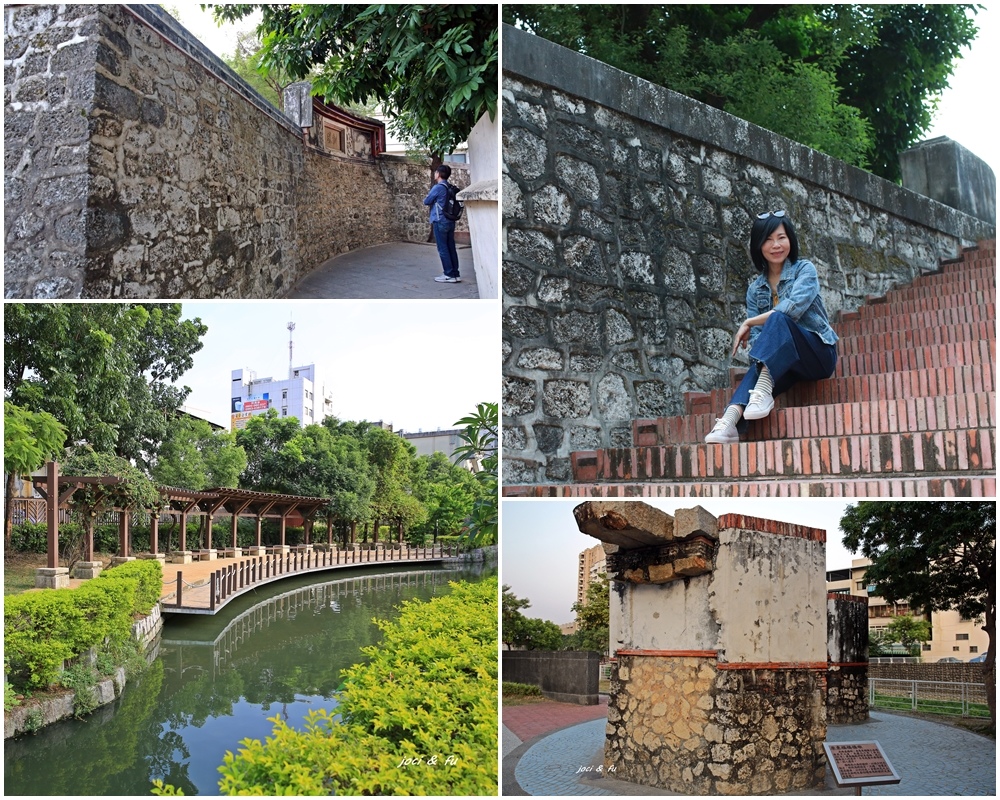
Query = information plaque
x=860 y=764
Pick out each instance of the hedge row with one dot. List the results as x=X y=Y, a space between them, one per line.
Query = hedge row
x=42 y=630
x=420 y=718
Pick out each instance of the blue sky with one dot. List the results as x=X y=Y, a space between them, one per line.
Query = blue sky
x=540 y=542
x=417 y=365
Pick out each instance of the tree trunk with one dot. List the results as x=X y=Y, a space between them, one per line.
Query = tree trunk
x=8 y=516
x=989 y=665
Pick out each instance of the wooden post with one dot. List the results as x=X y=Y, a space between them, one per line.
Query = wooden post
x=52 y=515
x=124 y=546
x=154 y=532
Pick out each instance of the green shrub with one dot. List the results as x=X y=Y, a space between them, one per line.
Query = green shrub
x=419 y=718
x=30 y=537
x=149 y=575
x=44 y=629
x=511 y=689
x=81 y=679
x=9 y=697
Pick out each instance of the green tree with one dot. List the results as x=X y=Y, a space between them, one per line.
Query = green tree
x=432 y=67
x=592 y=616
x=479 y=437
x=29 y=440
x=106 y=372
x=855 y=81
x=909 y=631
x=245 y=62
x=133 y=491
x=935 y=556
x=539 y=634
x=511 y=618
x=194 y=456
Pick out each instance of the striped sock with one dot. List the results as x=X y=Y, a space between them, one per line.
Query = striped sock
x=733 y=414
x=764 y=383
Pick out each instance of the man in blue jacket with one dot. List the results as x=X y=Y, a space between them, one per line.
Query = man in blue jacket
x=444 y=229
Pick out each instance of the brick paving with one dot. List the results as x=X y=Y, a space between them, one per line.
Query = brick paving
x=910 y=411
x=534 y=719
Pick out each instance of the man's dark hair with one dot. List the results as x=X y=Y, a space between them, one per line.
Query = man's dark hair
x=762 y=228
x=444 y=171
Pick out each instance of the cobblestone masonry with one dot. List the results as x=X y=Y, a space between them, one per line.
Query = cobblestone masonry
x=138 y=165
x=686 y=725
x=627 y=210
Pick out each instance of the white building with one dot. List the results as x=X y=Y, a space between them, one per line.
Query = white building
x=297 y=396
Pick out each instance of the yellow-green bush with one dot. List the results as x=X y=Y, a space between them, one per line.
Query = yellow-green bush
x=44 y=629
x=149 y=575
x=420 y=718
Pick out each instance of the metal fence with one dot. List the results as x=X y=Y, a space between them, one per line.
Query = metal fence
x=929 y=697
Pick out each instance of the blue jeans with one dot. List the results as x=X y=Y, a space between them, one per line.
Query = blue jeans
x=791 y=353
x=444 y=235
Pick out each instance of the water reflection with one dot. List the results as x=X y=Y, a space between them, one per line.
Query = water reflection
x=216 y=681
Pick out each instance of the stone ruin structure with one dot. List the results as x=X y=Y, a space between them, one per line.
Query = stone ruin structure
x=720 y=630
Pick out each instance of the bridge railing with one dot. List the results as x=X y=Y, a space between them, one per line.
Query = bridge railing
x=233 y=578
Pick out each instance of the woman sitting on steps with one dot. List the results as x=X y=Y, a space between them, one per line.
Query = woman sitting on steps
x=787 y=328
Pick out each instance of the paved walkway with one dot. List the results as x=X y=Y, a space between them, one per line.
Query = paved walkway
x=401 y=270
x=932 y=758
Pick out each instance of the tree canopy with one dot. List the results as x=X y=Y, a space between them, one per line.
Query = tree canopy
x=858 y=82
x=934 y=555
x=432 y=67
x=592 y=617
x=529 y=633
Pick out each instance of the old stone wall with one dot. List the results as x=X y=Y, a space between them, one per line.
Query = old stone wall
x=139 y=165
x=949 y=673
x=48 y=90
x=626 y=215
x=688 y=724
x=847 y=655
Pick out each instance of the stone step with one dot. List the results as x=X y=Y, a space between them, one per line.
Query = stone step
x=930 y=453
x=916 y=414
x=834 y=486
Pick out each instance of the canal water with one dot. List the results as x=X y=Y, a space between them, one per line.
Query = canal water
x=218 y=680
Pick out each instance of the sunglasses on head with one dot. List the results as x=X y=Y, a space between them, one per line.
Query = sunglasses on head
x=767 y=214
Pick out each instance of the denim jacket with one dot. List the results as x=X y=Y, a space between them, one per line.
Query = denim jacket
x=435 y=199
x=798 y=298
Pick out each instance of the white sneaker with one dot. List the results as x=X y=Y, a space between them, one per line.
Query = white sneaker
x=446 y=279
x=760 y=405
x=722 y=433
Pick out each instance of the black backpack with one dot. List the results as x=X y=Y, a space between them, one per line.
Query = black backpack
x=452 y=208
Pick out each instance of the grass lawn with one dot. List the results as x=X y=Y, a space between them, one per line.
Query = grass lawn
x=19 y=570
x=928 y=706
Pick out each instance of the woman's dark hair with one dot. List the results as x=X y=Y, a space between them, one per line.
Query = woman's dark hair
x=762 y=228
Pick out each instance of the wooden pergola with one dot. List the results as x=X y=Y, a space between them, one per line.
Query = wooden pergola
x=184 y=503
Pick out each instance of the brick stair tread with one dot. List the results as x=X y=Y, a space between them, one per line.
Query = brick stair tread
x=922 y=453
x=935 y=303
x=980 y=287
x=983 y=272
x=915 y=414
x=966 y=379
x=917 y=337
x=854 y=325
x=834 y=486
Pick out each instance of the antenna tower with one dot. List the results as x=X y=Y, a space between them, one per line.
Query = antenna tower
x=291 y=327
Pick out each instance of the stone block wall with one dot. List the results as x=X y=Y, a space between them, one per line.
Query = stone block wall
x=626 y=216
x=847 y=657
x=138 y=165
x=688 y=724
x=566 y=676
